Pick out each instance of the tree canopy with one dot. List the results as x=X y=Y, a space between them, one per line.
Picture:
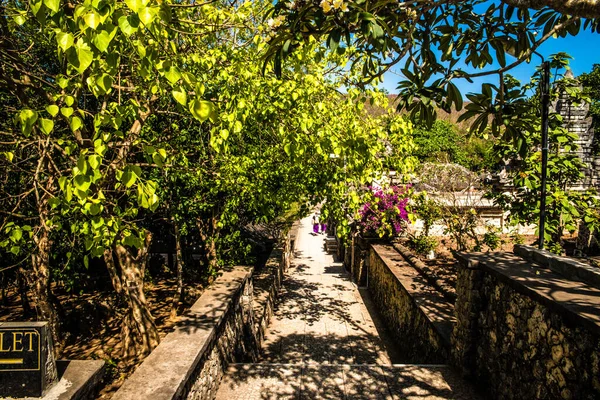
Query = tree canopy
x=432 y=44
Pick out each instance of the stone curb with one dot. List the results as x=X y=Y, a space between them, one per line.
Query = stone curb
x=565 y=266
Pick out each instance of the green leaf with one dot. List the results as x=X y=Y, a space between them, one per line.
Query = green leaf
x=82 y=182
x=129 y=24
x=66 y=111
x=147 y=14
x=455 y=95
x=92 y=19
x=201 y=109
x=53 y=5
x=27 y=118
x=128 y=178
x=62 y=181
x=237 y=127
x=76 y=123
x=15 y=250
x=46 y=125
x=173 y=74
x=16 y=235
x=19 y=20
x=105 y=82
x=103 y=38
x=135 y=5
x=180 y=95
x=52 y=109
x=94 y=161
x=65 y=40
x=80 y=56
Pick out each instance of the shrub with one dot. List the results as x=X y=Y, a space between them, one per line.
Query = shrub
x=422 y=244
x=385 y=212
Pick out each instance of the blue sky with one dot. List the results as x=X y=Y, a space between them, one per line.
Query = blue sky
x=584 y=48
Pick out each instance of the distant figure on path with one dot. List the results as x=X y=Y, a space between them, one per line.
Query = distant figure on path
x=323 y=227
x=315 y=222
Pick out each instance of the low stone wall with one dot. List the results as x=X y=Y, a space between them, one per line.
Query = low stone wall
x=525 y=332
x=417 y=315
x=226 y=324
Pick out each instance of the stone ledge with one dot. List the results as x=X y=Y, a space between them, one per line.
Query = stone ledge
x=565 y=266
x=431 y=303
x=573 y=300
x=166 y=371
x=447 y=290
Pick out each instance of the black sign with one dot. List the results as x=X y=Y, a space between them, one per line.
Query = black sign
x=27 y=365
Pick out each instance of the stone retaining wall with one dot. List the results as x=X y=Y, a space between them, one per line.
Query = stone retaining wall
x=525 y=332
x=416 y=314
x=226 y=324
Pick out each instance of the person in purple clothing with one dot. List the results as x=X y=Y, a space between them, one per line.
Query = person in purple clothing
x=323 y=227
x=315 y=222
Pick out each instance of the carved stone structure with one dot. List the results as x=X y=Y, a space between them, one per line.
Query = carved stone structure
x=577 y=120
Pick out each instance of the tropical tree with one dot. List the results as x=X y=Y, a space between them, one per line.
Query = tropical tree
x=566 y=205
x=125 y=113
x=435 y=43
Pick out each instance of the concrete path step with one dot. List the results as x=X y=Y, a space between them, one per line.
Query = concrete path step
x=330 y=381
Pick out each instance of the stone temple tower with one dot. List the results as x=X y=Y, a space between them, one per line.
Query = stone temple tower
x=576 y=120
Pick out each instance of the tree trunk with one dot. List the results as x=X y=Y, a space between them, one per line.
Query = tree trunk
x=209 y=233
x=179 y=293
x=114 y=274
x=22 y=287
x=40 y=279
x=139 y=324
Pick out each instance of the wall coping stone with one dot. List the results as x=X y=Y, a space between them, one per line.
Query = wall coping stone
x=431 y=302
x=576 y=301
x=164 y=373
x=566 y=266
x=446 y=289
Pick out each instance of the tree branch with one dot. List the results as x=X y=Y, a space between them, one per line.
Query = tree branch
x=579 y=8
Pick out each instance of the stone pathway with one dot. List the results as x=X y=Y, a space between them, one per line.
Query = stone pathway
x=324 y=343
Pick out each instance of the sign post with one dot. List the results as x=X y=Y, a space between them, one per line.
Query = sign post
x=27 y=365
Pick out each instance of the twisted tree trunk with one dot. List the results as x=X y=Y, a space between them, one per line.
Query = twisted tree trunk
x=138 y=326
x=40 y=280
x=114 y=274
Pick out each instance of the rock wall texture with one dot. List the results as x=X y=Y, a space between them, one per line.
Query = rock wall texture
x=416 y=315
x=226 y=324
x=515 y=345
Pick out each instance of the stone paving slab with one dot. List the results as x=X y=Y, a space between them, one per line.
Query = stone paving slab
x=261 y=381
x=356 y=382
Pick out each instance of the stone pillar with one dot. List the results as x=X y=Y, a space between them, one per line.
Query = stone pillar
x=467 y=307
x=360 y=260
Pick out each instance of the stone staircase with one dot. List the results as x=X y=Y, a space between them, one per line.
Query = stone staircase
x=331 y=245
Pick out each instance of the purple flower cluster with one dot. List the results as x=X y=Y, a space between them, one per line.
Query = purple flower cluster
x=386 y=213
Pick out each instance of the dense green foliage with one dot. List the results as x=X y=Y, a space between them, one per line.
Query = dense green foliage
x=444 y=143
x=137 y=125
